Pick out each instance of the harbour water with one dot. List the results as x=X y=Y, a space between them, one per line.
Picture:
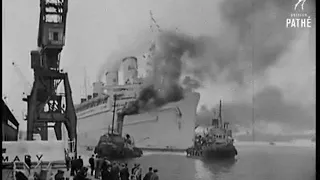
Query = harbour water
x=260 y=162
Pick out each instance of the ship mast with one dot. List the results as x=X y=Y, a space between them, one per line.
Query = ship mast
x=252 y=72
x=114 y=112
x=220 y=116
x=85 y=83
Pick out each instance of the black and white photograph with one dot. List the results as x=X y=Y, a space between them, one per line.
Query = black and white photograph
x=159 y=90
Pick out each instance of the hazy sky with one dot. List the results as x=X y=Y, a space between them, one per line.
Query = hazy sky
x=98 y=29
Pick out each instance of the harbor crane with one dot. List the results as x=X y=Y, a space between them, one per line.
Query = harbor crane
x=45 y=105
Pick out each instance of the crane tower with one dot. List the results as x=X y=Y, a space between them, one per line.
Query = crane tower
x=45 y=104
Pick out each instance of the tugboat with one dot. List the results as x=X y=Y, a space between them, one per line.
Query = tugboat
x=113 y=146
x=217 y=142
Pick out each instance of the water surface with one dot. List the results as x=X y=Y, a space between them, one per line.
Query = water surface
x=253 y=163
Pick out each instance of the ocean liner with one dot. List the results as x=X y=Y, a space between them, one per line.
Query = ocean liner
x=168 y=127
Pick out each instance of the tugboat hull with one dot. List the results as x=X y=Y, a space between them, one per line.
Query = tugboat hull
x=220 y=153
x=224 y=152
x=125 y=153
x=116 y=153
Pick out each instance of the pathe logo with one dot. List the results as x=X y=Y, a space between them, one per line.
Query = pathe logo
x=300 y=2
x=299 y=19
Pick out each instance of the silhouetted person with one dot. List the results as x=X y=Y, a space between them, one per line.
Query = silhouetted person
x=134 y=168
x=68 y=162
x=155 y=175
x=80 y=161
x=59 y=175
x=138 y=172
x=72 y=172
x=82 y=174
x=128 y=139
x=97 y=165
x=148 y=174
x=124 y=172
x=76 y=165
x=115 y=171
x=27 y=160
x=106 y=173
x=91 y=162
x=104 y=163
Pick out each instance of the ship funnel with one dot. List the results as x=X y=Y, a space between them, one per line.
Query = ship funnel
x=97 y=88
x=130 y=70
x=111 y=78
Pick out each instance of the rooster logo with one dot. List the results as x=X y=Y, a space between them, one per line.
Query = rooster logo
x=298 y=3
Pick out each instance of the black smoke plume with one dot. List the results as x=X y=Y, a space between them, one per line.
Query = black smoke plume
x=252 y=38
x=163 y=84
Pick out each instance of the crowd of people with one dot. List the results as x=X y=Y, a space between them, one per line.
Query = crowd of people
x=101 y=168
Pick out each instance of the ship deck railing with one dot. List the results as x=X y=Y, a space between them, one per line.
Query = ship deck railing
x=44 y=169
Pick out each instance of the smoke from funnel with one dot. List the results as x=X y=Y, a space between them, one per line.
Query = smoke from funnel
x=163 y=84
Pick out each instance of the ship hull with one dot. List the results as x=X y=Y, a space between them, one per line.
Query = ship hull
x=90 y=128
x=225 y=152
x=220 y=152
x=171 y=127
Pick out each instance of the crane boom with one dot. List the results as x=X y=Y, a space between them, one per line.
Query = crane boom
x=26 y=85
x=154 y=22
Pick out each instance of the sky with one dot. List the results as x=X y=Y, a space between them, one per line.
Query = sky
x=98 y=32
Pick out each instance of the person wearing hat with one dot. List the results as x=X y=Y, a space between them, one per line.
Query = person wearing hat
x=124 y=172
x=106 y=173
x=155 y=175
